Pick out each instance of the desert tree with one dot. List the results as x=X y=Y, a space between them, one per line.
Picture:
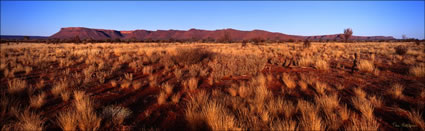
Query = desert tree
x=132 y=39
x=307 y=43
x=257 y=40
x=291 y=40
x=347 y=34
x=109 y=40
x=77 y=39
x=417 y=42
x=194 y=39
x=149 y=40
x=404 y=37
x=226 y=38
x=244 y=43
x=117 y=40
x=26 y=38
x=172 y=40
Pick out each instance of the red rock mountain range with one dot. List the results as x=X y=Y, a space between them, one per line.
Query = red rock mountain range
x=192 y=34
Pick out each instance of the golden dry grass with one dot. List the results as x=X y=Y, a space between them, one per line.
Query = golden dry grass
x=128 y=76
x=126 y=84
x=306 y=62
x=147 y=70
x=40 y=84
x=359 y=92
x=232 y=91
x=88 y=121
x=86 y=116
x=233 y=88
x=65 y=95
x=366 y=66
x=243 y=91
x=217 y=117
x=192 y=83
x=309 y=119
x=162 y=98
x=364 y=106
x=113 y=83
x=327 y=102
x=175 y=98
x=284 y=125
x=59 y=87
x=320 y=87
x=82 y=102
x=418 y=71
x=289 y=109
x=152 y=80
x=28 y=70
x=415 y=117
x=397 y=90
x=38 y=100
x=29 y=121
x=363 y=124
x=376 y=101
x=288 y=81
x=344 y=113
x=67 y=120
x=321 y=65
x=167 y=88
x=16 y=86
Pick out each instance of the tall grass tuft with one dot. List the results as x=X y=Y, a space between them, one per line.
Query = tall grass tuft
x=16 y=86
x=397 y=90
x=418 y=71
x=288 y=81
x=29 y=121
x=86 y=116
x=67 y=120
x=38 y=100
x=366 y=66
x=321 y=65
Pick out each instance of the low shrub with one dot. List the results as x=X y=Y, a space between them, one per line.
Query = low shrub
x=418 y=71
x=189 y=56
x=401 y=50
x=366 y=66
x=307 y=44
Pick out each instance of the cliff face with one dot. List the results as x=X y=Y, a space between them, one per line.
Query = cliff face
x=192 y=34
x=86 y=33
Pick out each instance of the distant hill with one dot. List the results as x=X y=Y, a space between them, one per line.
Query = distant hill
x=192 y=34
x=82 y=33
x=19 y=37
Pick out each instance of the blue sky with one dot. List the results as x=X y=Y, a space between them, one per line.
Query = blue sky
x=388 y=18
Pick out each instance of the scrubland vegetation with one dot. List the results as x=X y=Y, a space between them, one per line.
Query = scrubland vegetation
x=204 y=86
